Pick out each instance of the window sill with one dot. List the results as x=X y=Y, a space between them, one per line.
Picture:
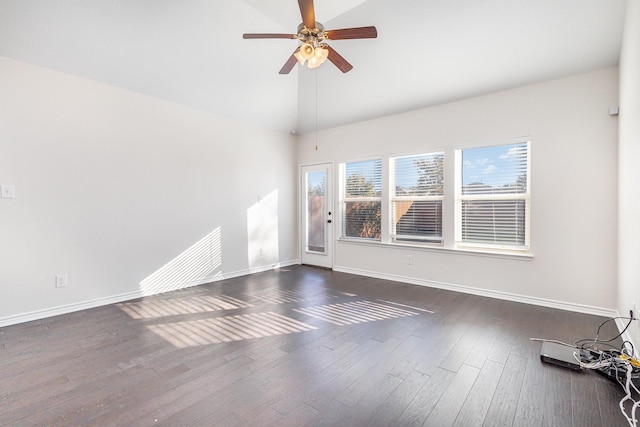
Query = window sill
x=441 y=249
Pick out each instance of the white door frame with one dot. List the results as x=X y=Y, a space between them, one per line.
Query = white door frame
x=323 y=257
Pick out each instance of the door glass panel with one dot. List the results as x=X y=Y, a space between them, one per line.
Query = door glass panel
x=316 y=208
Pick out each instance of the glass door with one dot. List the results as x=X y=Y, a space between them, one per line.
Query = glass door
x=317 y=216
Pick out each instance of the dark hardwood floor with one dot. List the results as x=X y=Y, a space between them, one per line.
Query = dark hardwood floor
x=302 y=346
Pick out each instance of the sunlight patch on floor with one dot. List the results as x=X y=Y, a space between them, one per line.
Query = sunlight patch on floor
x=227 y=329
x=354 y=312
x=279 y=296
x=151 y=309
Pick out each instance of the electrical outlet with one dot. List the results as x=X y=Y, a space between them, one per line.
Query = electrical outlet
x=61 y=281
x=8 y=192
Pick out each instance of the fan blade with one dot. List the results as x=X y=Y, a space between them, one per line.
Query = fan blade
x=269 y=36
x=352 y=33
x=308 y=13
x=291 y=62
x=338 y=60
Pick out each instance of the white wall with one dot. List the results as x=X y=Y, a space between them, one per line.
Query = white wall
x=128 y=194
x=573 y=190
x=629 y=169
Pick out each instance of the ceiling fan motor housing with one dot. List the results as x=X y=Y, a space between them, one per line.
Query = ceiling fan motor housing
x=312 y=36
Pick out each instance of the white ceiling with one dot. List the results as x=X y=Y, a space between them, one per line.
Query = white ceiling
x=427 y=51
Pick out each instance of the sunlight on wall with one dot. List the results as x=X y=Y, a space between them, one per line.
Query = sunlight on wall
x=262 y=232
x=198 y=264
x=229 y=328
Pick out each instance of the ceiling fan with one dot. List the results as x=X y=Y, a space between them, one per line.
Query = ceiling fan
x=313 y=50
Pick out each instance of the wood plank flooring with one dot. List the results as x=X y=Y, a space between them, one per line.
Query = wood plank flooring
x=301 y=346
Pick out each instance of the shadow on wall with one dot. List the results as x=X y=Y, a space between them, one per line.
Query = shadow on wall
x=262 y=232
x=199 y=264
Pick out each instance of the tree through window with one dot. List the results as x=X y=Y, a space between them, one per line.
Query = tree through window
x=361 y=199
x=417 y=188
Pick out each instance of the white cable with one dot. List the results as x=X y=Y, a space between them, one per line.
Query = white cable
x=632 y=420
x=628 y=385
x=554 y=341
x=635 y=403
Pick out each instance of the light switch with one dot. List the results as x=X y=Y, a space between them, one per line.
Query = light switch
x=8 y=192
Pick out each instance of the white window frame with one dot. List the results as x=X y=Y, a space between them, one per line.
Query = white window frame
x=460 y=198
x=393 y=198
x=343 y=200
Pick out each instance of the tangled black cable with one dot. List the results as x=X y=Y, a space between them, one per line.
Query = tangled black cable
x=582 y=343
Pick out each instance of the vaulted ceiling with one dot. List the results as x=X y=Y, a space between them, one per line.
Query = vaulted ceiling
x=427 y=51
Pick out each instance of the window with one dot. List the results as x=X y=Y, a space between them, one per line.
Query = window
x=486 y=207
x=492 y=196
x=361 y=190
x=417 y=187
x=316 y=208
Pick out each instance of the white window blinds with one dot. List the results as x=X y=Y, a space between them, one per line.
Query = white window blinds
x=492 y=196
x=361 y=199
x=417 y=188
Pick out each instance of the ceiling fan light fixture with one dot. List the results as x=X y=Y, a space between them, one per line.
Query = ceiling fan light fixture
x=313 y=62
x=299 y=57
x=320 y=55
x=307 y=51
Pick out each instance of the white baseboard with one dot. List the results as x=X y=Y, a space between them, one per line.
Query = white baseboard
x=253 y=270
x=114 y=299
x=66 y=309
x=543 y=302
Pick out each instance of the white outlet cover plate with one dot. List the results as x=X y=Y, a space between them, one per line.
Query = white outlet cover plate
x=8 y=192
x=61 y=281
